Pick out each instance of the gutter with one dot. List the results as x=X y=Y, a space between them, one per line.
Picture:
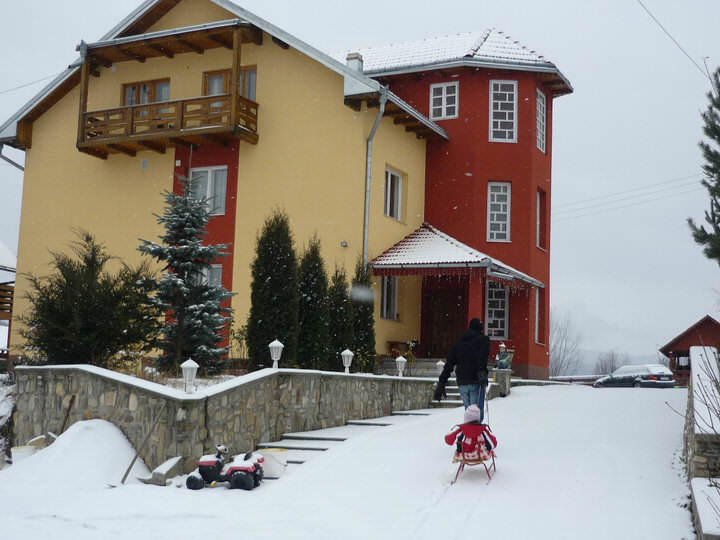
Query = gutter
x=10 y=161
x=368 y=175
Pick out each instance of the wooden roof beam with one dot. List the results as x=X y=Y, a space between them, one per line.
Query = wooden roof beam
x=192 y=46
x=155 y=147
x=130 y=55
x=253 y=35
x=123 y=149
x=95 y=152
x=99 y=59
x=216 y=139
x=161 y=50
x=220 y=40
x=410 y=120
x=182 y=142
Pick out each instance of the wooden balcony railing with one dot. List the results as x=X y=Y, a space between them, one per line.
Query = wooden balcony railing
x=168 y=119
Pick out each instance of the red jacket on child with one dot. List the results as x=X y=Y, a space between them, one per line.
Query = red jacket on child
x=476 y=441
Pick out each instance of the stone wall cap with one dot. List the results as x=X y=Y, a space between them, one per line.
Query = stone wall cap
x=214 y=390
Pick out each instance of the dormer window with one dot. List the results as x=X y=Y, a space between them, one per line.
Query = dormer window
x=444 y=101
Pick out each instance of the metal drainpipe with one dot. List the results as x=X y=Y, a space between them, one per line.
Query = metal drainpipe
x=10 y=161
x=368 y=167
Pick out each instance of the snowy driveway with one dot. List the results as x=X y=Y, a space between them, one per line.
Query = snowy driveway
x=573 y=462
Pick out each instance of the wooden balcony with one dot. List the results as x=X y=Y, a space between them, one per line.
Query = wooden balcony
x=156 y=126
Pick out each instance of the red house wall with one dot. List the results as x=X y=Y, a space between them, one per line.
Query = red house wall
x=220 y=229
x=457 y=175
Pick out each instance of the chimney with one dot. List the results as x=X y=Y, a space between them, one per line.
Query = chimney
x=354 y=61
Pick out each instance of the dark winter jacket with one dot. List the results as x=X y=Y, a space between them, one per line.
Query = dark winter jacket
x=468 y=358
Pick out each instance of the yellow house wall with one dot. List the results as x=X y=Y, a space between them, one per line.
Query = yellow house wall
x=309 y=161
x=65 y=190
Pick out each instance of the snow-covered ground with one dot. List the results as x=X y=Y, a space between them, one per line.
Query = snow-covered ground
x=573 y=462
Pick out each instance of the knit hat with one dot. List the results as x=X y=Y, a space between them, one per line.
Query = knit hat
x=502 y=346
x=476 y=324
x=472 y=414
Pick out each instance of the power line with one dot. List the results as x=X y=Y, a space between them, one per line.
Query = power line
x=601 y=211
x=639 y=188
x=27 y=84
x=673 y=39
x=631 y=197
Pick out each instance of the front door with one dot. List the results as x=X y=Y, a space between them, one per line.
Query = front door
x=444 y=318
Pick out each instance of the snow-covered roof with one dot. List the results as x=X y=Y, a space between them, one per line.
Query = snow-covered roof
x=489 y=48
x=427 y=247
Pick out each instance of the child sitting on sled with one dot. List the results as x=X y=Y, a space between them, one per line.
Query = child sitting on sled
x=473 y=440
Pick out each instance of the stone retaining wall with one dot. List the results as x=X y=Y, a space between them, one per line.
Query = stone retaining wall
x=240 y=413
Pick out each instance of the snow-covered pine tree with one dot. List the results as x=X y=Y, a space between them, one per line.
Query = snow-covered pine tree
x=710 y=239
x=313 y=316
x=363 y=321
x=341 y=321
x=82 y=313
x=274 y=293
x=194 y=318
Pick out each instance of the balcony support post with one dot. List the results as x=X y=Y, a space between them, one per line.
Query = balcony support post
x=234 y=76
x=84 y=75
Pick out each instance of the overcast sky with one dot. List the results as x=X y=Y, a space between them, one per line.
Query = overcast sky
x=626 y=165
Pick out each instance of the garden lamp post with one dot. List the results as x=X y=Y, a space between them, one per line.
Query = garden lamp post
x=400 y=362
x=276 y=349
x=189 y=370
x=347 y=357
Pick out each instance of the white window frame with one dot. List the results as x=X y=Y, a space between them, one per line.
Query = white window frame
x=514 y=112
x=389 y=298
x=207 y=272
x=393 y=208
x=210 y=188
x=537 y=313
x=490 y=318
x=541 y=123
x=444 y=99
x=491 y=234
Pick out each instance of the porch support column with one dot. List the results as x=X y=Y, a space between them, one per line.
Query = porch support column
x=476 y=299
x=234 y=76
x=84 y=74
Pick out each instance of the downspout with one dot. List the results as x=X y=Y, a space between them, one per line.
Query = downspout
x=10 y=161
x=368 y=175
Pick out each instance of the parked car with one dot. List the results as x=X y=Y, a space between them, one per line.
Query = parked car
x=645 y=375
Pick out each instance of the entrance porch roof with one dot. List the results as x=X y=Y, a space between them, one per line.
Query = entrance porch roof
x=429 y=251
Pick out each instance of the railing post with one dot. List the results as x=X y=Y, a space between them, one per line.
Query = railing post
x=234 y=75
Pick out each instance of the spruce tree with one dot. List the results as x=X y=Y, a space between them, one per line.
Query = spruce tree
x=84 y=314
x=363 y=321
x=341 y=320
x=274 y=293
x=194 y=318
x=313 y=316
x=710 y=239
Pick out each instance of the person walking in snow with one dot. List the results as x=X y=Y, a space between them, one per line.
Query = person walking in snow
x=468 y=358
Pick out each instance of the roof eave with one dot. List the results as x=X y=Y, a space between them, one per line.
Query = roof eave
x=471 y=62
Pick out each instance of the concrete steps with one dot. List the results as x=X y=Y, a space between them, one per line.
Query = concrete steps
x=304 y=446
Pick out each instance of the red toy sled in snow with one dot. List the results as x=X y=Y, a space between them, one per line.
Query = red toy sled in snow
x=475 y=444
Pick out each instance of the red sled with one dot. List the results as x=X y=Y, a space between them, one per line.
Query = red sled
x=475 y=445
